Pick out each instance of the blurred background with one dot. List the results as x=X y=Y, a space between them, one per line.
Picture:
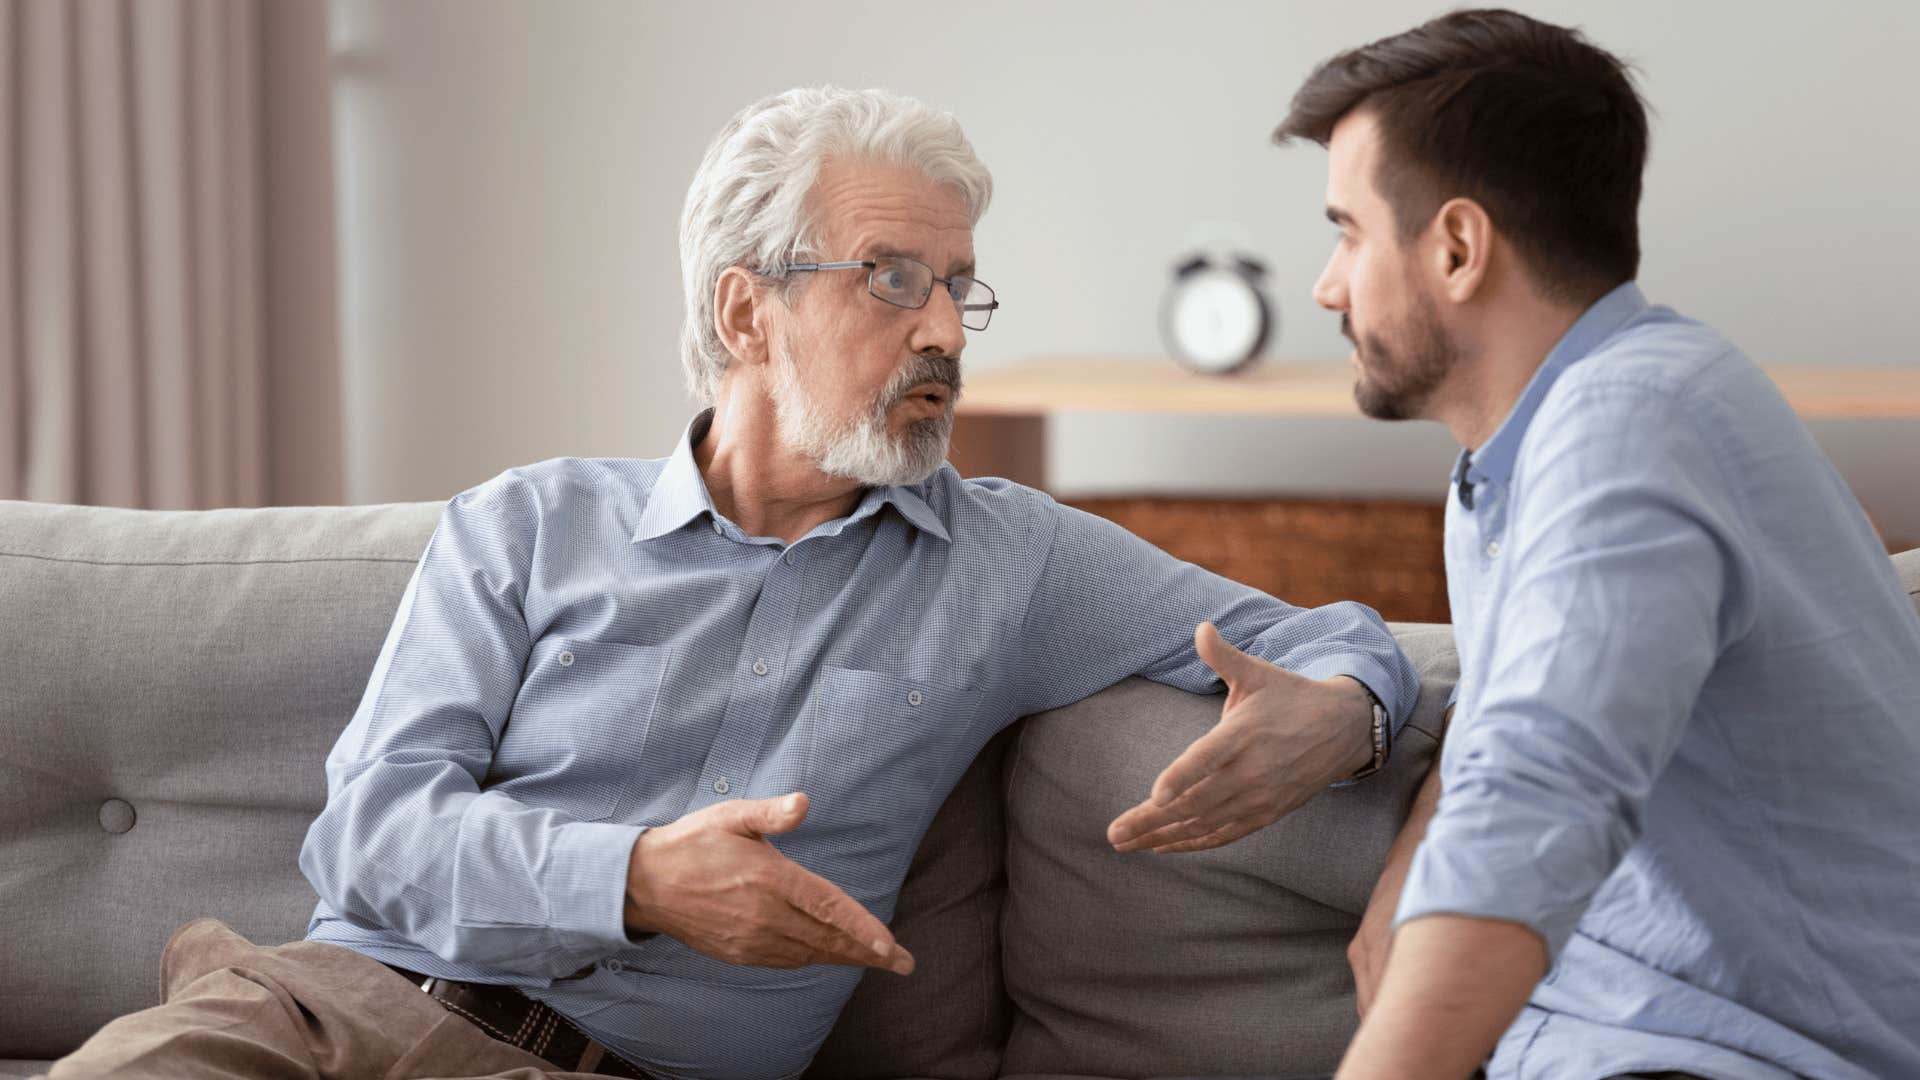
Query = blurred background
x=299 y=251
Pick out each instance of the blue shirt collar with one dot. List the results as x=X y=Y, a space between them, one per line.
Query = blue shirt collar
x=680 y=495
x=1494 y=460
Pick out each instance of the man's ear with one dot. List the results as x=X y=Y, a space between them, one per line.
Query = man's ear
x=739 y=316
x=1462 y=235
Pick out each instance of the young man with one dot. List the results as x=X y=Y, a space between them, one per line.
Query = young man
x=1675 y=783
x=650 y=744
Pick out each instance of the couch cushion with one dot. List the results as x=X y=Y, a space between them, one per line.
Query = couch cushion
x=1231 y=961
x=174 y=681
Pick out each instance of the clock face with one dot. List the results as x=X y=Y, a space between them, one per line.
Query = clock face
x=1215 y=320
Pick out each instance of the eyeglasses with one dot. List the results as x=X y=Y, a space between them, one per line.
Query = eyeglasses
x=907 y=283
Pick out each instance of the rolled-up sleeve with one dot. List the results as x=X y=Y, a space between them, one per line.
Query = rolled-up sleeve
x=408 y=840
x=1107 y=605
x=1622 y=589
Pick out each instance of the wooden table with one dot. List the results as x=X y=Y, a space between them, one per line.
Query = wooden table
x=1000 y=428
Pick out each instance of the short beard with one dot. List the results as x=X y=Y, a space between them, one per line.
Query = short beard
x=1397 y=383
x=861 y=448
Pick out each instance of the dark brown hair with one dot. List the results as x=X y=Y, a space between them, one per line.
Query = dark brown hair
x=1530 y=120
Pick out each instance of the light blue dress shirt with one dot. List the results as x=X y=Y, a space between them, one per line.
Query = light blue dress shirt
x=1687 y=723
x=587 y=649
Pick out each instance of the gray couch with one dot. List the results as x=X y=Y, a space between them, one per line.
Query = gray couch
x=174 y=681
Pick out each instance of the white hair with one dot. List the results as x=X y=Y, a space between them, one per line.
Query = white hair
x=747 y=205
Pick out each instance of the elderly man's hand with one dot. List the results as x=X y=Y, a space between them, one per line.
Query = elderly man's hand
x=1282 y=738
x=712 y=881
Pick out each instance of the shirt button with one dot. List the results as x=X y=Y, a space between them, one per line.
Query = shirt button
x=721 y=786
x=1493 y=549
x=759 y=667
x=718 y=529
x=614 y=965
x=914 y=698
x=566 y=659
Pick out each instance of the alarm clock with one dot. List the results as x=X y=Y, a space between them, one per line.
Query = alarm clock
x=1216 y=318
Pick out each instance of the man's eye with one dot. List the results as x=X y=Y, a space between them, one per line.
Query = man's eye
x=894 y=280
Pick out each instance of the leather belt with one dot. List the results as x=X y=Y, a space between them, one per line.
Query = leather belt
x=514 y=1018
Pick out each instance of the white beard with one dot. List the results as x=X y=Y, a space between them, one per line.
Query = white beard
x=860 y=448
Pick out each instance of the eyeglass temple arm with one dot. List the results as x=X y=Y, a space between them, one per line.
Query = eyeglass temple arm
x=793 y=267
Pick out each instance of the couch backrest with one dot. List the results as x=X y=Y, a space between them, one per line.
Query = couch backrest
x=173 y=684
x=175 y=680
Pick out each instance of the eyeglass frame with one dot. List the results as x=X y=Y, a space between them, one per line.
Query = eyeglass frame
x=870 y=265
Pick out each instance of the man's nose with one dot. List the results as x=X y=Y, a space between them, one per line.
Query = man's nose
x=1330 y=291
x=938 y=329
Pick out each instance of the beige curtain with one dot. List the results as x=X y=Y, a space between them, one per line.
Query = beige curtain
x=131 y=360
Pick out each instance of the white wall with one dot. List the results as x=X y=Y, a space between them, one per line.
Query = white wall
x=511 y=175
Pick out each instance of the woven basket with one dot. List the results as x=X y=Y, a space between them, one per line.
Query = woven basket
x=1384 y=554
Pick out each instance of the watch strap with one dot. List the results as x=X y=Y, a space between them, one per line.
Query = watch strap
x=1382 y=731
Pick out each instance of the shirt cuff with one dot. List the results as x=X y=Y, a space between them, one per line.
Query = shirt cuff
x=586 y=885
x=1476 y=884
x=1371 y=674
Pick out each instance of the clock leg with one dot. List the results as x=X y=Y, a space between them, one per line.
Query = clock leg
x=1011 y=446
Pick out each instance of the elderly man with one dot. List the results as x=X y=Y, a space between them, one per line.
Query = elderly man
x=650 y=745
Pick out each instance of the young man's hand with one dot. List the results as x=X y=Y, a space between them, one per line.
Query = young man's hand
x=712 y=881
x=1281 y=739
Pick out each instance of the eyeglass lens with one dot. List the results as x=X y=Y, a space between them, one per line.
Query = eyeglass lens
x=907 y=283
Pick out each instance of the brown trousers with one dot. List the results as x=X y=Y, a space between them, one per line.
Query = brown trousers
x=304 y=1010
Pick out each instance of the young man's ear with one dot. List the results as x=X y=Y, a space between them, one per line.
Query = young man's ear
x=1464 y=242
x=739 y=299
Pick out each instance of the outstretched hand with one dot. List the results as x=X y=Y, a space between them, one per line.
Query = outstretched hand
x=1281 y=739
x=712 y=881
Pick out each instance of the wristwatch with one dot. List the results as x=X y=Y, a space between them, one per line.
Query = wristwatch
x=1382 y=740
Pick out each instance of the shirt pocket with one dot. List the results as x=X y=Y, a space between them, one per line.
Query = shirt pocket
x=883 y=748
x=576 y=739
